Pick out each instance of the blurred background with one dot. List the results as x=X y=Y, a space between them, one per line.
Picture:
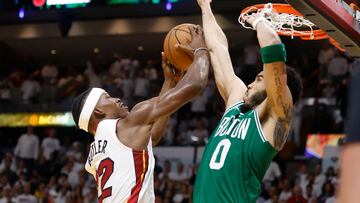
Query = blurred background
x=50 y=51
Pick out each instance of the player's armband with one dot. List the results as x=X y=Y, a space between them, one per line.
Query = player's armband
x=273 y=53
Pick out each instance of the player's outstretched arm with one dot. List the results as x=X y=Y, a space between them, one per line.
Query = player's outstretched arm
x=193 y=82
x=172 y=77
x=231 y=88
x=280 y=101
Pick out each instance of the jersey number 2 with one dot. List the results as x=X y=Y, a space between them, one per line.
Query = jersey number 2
x=105 y=169
x=222 y=148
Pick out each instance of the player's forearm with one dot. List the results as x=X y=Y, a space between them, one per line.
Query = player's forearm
x=266 y=35
x=196 y=77
x=168 y=84
x=159 y=127
x=214 y=36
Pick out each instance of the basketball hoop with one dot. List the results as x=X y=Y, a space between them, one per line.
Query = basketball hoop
x=286 y=21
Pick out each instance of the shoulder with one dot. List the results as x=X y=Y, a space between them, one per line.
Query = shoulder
x=233 y=105
x=139 y=113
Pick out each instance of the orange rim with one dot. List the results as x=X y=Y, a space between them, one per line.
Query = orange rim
x=317 y=34
x=280 y=8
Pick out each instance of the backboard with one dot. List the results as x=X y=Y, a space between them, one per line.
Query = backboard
x=336 y=18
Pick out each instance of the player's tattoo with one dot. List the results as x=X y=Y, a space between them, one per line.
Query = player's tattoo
x=281 y=133
x=283 y=122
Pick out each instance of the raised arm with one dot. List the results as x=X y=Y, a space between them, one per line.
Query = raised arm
x=172 y=76
x=231 y=88
x=193 y=82
x=280 y=102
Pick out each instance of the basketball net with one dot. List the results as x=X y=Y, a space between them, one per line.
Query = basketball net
x=285 y=20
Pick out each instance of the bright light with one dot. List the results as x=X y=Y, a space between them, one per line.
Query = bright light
x=168 y=6
x=62 y=2
x=96 y=50
x=38 y=3
x=21 y=13
x=53 y=52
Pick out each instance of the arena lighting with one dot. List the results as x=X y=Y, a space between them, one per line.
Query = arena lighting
x=63 y=2
x=168 y=6
x=21 y=13
x=36 y=119
x=38 y=3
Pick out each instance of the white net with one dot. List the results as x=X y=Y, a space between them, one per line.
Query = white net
x=283 y=23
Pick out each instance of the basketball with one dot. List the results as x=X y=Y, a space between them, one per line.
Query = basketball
x=178 y=35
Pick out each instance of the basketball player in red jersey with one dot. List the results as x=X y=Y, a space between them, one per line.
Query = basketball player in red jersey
x=121 y=157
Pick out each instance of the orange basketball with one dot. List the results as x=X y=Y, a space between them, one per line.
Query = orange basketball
x=178 y=35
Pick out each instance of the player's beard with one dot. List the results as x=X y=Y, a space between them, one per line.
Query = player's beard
x=254 y=100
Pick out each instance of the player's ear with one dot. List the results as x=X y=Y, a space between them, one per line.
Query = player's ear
x=99 y=114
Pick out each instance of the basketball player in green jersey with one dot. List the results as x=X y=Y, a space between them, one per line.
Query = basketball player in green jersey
x=256 y=122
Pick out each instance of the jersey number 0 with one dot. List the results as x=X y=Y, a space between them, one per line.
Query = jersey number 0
x=222 y=148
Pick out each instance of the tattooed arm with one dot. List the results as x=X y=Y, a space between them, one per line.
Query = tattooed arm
x=279 y=102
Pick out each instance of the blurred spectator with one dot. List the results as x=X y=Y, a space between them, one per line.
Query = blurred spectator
x=273 y=195
x=327 y=192
x=337 y=68
x=286 y=192
x=27 y=147
x=5 y=91
x=6 y=196
x=319 y=181
x=180 y=174
x=273 y=173
x=75 y=151
x=297 y=196
x=21 y=169
x=126 y=84
x=183 y=195
x=30 y=89
x=169 y=135
x=326 y=53
x=49 y=73
x=27 y=196
x=200 y=134
x=166 y=170
x=151 y=73
x=8 y=173
x=94 y=80
x=50 y=144
x=141 y=86
x=118 y=65
x=8 y=158
x=198 y=104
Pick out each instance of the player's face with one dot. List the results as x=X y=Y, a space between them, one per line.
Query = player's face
x=112 y=107
x=256 y=92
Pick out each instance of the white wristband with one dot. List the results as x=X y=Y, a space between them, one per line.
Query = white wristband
x=256 y=21
x=199 y=49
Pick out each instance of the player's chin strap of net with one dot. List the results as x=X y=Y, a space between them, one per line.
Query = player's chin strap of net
x=89 y=107
x=283 y=23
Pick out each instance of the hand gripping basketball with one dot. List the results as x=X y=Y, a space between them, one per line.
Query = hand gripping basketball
x=170 y=73
x=197 y=43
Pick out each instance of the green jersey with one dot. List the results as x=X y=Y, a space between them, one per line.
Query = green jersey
x=234 y=161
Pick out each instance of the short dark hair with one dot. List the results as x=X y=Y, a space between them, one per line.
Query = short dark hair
x=294 y=83
x=78 y=104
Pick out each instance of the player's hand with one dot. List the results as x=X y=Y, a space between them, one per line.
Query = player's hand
x=251 y=18
x=203 y=2
x=198 y=41
x=170 y=73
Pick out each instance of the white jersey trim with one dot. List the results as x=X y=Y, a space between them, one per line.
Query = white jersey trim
x=232 y=107
x=258 y=125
